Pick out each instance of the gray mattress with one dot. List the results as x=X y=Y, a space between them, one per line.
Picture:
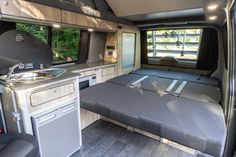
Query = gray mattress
x=178 y=75
x=195 y=124
x=192 y=90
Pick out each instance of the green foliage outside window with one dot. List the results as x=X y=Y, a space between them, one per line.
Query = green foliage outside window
x=39 y=32
x=65 y=41
x=65 y=44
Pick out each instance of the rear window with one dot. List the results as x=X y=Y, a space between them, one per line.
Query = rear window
x=182 y=44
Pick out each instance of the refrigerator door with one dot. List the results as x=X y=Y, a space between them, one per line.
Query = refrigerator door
x=58 y=132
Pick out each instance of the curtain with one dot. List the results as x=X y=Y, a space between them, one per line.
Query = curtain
x=84 y=46
x=208 y=51
x=144 y=54
x=6 y=26
x=225 y=43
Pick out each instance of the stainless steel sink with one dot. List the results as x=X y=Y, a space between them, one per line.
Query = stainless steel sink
x=41 y=75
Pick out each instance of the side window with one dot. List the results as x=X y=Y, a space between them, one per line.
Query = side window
x=41 y=32
x=64 y=42
x=65 y=45
x=183 y=44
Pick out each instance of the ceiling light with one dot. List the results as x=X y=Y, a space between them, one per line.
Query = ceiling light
x=90 y=30
x=212 y=18
x=56 y=25
x=212 y=7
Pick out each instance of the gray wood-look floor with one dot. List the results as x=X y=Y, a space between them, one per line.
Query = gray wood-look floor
x=104 y=139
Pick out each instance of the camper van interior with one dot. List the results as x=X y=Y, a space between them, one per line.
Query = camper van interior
x=117 y=78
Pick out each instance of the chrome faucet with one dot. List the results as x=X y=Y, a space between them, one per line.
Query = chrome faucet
x=11 y=70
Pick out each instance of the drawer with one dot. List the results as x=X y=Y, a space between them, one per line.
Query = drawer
x=87 y=73
x=64 y=92
x=107 y=77
x=108 y=71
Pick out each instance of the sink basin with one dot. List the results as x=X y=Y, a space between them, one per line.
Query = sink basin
x=41 y=75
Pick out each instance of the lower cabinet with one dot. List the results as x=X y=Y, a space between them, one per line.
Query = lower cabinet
x=109 y=73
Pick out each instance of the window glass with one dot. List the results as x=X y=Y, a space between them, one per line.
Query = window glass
x=182 y=44
x=65 y=45
x=40 y=32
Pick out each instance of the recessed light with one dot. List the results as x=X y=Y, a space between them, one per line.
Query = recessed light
x=212 y=7
x=90 y=30
x=212 y=18
x=56 y=25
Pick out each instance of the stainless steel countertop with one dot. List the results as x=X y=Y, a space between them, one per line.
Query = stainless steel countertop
x=72 y=71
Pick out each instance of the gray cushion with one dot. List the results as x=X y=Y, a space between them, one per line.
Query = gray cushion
x=20 y=145
x=192 y=90
x=195 y=124
x=127 y=79
x=178 y=75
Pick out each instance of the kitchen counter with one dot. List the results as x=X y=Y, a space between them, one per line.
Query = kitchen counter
x=88 y=66
x=72 y=71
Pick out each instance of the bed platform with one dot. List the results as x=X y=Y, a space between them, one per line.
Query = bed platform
x=186 y=120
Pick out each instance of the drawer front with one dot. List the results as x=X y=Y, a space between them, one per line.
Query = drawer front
x=108 y=71
x=107 y=77
x=87 y=73
x=63 y=92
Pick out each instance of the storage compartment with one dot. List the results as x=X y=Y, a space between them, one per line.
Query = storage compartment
x=108 y=71
x=64 y=92
x=15 y=9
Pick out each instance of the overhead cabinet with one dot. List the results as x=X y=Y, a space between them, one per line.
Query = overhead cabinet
x=73 y=18
x=24 y=10
x=21 y=10
x=107 y=25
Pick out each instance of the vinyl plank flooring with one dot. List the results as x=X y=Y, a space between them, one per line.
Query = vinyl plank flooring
x=104 y=139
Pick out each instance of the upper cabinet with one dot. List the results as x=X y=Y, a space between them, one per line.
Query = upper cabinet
x=73 y=18
x=107 y=25
x=21 y=9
